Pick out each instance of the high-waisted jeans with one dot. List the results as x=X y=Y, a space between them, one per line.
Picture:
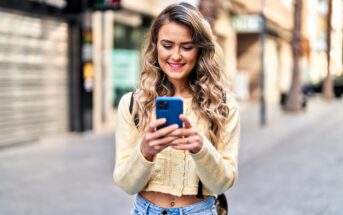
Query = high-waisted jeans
x=143 y=207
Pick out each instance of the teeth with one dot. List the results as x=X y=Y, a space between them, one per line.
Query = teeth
x=175 y=65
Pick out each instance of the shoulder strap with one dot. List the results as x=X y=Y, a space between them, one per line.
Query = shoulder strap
x=131 y=103
x=222 y=203
x=135 y=118
x=200 y=195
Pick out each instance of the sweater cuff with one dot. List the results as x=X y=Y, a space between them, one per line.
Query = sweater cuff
x=203 y=151
x=141 y=157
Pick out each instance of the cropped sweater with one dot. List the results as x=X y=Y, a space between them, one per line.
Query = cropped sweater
x=172 y=171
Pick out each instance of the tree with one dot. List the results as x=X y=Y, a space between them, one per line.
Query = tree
x=295 y=96
x=327 y=89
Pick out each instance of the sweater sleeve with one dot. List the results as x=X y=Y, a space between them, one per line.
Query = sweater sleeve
x=217 y=167
x=132 y=171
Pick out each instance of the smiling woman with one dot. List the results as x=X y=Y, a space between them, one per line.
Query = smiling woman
x=171 y=169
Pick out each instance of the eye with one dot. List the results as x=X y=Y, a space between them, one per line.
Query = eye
x=187 y=48
x=167 y=46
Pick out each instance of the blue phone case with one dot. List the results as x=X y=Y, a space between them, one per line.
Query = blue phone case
x=169 y=108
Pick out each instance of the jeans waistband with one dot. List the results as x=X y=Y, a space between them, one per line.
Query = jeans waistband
x=143 y=205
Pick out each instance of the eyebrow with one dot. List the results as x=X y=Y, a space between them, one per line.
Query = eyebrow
x=183 y=43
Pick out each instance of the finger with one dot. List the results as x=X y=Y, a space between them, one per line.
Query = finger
x=195 y=138
x=178 y=141
x=157 y=134
x=186 y=122
x=189 y=147
x=186 y=141
x=183 y=141
x=163 y=141
x=184 y=132
x=193 y=145
x=155 y=123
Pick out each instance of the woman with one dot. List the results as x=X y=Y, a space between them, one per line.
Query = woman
x=164 y=166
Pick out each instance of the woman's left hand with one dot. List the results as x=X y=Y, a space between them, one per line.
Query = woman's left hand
x=190 y=139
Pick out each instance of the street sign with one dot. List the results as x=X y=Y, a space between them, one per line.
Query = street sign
x=247 y=23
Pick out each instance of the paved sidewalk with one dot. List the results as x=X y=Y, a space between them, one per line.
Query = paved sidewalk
x=70 y=175
x=292 y=166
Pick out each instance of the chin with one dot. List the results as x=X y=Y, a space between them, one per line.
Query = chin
x=176 y=75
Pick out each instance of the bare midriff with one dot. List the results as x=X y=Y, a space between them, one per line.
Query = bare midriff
x=170 y=201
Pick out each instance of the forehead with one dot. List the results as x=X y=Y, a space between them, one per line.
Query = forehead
x=174 y=32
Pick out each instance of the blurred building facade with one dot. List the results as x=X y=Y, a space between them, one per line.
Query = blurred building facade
x=317 y=31
x=41 y=81
x=250 y=26
x=71 y=61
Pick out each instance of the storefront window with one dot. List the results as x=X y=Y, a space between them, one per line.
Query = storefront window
x=126 y=58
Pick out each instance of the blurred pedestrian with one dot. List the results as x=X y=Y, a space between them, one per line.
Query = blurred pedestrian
x=178 y=170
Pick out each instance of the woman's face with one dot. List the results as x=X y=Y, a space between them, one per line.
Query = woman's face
x=177 y=54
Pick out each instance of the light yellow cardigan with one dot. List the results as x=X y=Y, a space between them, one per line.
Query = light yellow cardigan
x=173 y=171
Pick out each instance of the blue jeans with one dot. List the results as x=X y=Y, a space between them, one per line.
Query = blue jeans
x=143 y=207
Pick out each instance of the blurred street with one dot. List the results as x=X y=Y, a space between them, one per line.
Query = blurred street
x=66 y=64
x=292 y=166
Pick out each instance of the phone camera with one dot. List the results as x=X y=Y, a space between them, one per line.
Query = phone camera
x=162 y=105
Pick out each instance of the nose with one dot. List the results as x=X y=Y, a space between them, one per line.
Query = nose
x=176 y=56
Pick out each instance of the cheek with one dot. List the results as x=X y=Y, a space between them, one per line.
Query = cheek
x=162 y=54
x=192 y=57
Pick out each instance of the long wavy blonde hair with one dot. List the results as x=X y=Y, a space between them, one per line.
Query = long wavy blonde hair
x=205 y=81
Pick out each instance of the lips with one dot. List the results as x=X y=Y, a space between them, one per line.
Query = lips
x=175 y=65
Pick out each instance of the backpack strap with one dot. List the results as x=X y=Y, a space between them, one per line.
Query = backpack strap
x=200 y=195
x=135 y=117
x=222 y=203
x=131 y=103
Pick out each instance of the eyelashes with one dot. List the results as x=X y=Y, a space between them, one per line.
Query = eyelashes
x=185 y=48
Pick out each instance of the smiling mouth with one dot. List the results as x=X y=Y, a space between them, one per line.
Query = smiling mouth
x=176 y=65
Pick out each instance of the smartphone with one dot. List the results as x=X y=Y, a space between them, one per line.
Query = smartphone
x=169 y=108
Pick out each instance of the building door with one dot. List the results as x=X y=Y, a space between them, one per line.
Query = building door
x=33 y=77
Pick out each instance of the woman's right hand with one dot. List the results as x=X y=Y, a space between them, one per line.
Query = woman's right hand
x=155 y=140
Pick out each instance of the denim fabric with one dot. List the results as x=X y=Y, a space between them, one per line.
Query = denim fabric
x=143 y=207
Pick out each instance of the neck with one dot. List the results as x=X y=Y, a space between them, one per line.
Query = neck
x=182 y=91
